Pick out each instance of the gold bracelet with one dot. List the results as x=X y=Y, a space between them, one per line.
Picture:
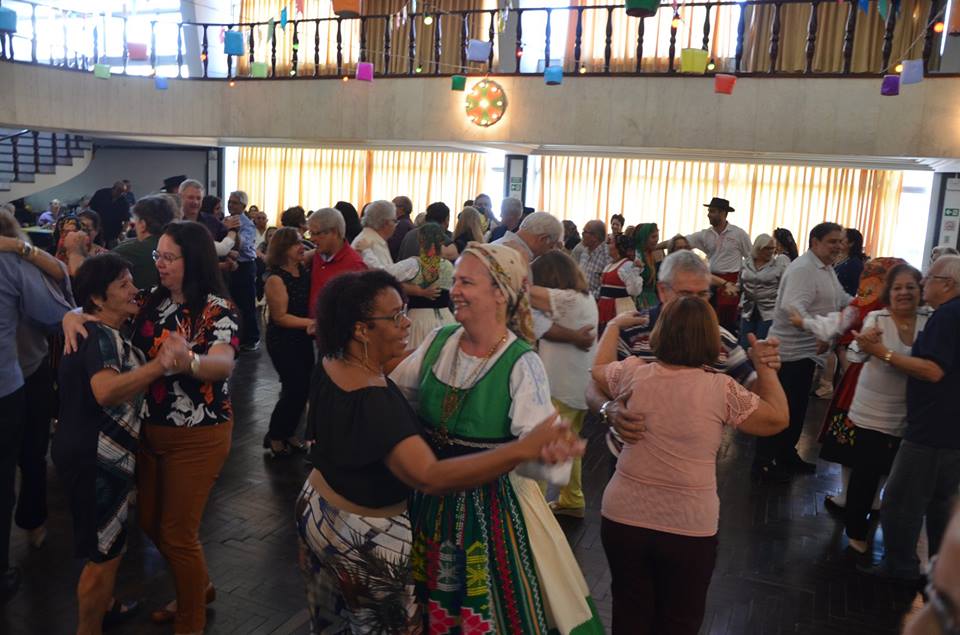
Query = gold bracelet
x=888 y=356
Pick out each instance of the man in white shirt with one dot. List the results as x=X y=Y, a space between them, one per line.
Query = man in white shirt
x=726 y=246
x=810 y=287
x=592 y=255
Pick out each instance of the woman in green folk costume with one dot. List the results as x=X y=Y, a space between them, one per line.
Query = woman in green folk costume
x=646 y=238
x=491 y=559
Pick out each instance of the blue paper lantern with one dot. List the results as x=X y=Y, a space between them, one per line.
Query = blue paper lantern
x=8 y=20
x=233 y=43
x=912 y=72
x=553 y=76
x=160 y=83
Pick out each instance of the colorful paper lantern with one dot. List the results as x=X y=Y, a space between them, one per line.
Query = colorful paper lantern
x=160 y=83
x=233 y=43
x=365 y=71
x=8 y=20
x=486 y=103
x=346 y=8
x=259 y=70
x=912 y=72
x=693 y=61
x=478 y=50
x=101 y=71
x=553 y=76
x=890 y=85
x=642 y=8
x=458 y=82
x=136 y=51
x=723 y=83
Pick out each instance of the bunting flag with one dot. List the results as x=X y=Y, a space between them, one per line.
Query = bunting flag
x=283 y=18
x=299 y=6
x=271 y=27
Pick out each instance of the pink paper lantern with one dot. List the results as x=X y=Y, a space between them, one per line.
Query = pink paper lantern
x=365 y=71
x=136 y=51
x=724 y=84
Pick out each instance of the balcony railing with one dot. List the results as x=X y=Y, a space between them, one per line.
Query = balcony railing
x=746 y=38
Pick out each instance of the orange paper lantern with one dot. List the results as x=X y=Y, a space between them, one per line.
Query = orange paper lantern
x=724 y=84
x=346 y=8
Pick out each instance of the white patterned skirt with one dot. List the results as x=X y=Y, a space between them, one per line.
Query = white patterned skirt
x=356 y=569
x=424 y=321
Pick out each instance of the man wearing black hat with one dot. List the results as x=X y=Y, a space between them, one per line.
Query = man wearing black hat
x=726 y=246
x=171 y=184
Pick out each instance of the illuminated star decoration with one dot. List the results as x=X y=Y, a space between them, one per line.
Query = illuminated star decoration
x=486 y=103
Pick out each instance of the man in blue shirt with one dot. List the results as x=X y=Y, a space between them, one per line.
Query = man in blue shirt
x=243 y=280
x=24 y=293
x=925 y=476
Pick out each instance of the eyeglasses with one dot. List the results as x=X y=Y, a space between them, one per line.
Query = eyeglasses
x=943 y=609
x=397 y=318
x=703 y=295
x=939 y=277
x=167 y=257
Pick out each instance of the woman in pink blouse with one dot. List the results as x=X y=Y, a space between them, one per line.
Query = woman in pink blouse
x=661 y=510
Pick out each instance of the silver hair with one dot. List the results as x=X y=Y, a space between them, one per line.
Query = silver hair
x=55 y=201
x=241 y=196
x=542 y=224
x=759 y=243
x=942 y=250
x=511 y=205
x=190 y=183
x=378 y=214
x=949 y=267
x=685 y=261
x=327 y=218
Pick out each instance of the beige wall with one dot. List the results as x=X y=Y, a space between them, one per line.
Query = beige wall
x=815 y=116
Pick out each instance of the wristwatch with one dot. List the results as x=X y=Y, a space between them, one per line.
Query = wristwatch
x=194 y=364
x=26 y=250
x=603 y=412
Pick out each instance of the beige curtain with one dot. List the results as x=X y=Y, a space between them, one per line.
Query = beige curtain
x=672 y=193
x=398 y=60
x=722 y=43
x=831 y=28
x=278 y=178
x=655 y=54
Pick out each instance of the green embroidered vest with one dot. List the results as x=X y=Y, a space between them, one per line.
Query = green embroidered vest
x=484 y=412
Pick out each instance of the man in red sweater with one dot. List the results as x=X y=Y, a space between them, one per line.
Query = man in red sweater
x=333 y=254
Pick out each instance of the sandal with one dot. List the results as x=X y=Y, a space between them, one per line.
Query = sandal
x=120 y=613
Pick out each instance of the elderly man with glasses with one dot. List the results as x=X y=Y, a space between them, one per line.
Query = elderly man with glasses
x=592 y=255
x=682 y=274
x=925 y=477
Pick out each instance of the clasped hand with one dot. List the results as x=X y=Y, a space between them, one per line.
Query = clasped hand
x=175 y=354
x=869 y=341
x=552 y=441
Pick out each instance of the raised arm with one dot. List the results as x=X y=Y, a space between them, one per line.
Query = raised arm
x=772 y=415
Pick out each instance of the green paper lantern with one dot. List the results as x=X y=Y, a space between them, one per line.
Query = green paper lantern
x=642 y=8
x=458 y=82
x=258 y=69
x=101 y=71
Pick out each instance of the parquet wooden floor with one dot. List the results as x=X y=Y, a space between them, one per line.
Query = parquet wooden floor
x=779 y=570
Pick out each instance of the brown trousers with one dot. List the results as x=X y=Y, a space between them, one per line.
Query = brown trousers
x=176 y=469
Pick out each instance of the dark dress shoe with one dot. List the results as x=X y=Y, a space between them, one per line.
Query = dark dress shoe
x=120 y=613
x=769 y=473
x=831 y=506
x=914 y=583
x=10 y=583
x=796 y=465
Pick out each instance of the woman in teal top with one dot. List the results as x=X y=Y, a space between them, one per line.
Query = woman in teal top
x=646 y=238
x=491 y=558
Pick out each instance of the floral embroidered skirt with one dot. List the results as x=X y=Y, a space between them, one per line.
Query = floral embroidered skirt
x=356 y=569
x=494 y=560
